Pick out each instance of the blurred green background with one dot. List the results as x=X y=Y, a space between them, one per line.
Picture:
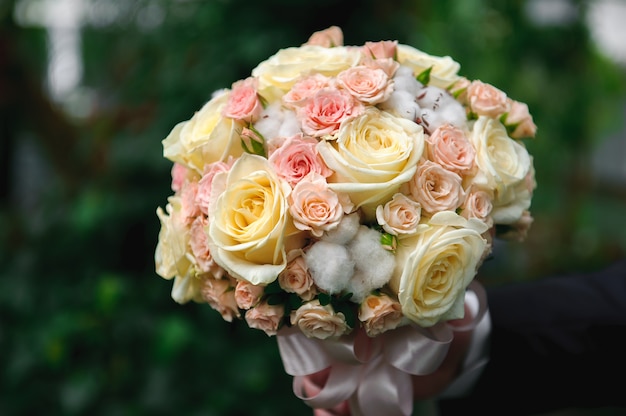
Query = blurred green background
x=89 y=88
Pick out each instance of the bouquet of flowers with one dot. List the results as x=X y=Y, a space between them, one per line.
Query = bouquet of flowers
x=342 y=197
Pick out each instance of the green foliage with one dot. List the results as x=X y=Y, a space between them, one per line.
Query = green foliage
x=87 y=325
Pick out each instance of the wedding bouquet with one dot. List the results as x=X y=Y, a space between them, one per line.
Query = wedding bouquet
x=343 y=196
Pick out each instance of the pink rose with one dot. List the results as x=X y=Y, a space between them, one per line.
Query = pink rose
x=486 y=100
x=317 y=321
x=478 y=204
x=189 y=208
x=297 y=279
x=243 y=103
x=304 y=89
x=204 y=184
x=382 y=49
x=368 y=85
x=179 y=173
x=450 y=147
x=265 y=317
x=315 y=207
x=296 y=158
x=520 y=120
x=219 y=294
x=459 y=90
x=436 y=188
x=401 y=215
x=379 y=313
x=200 y=249
x=323 y=113
x=328 y=38
x=248 y=295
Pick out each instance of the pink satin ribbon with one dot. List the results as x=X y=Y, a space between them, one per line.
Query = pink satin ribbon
x=372 y=374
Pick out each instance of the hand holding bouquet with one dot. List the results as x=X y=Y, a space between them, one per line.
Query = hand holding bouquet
x=343 y=198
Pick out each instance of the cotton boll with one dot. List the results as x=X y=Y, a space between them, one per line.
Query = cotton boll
x=404 y=80
x=374 y=264
x=330 y=266
x=290 y=126
x=270 y=122
x=402 y=104
x=345 y=231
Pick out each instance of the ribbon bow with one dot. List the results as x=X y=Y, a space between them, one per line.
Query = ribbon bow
x=372 y=374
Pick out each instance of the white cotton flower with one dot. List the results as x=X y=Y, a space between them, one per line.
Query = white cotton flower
x=374 y=264
x=402 y=104
x=345 y=231
x=330 y=265
x=439 y=107
x=404 y=80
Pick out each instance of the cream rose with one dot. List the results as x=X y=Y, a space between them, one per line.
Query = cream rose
x=250 y=222
x=280 y=72
x=379 y=313
x=504 y=162
x=444 y=70
x=317 y=321
x=205 y=138
x=434 y=267
x=372 y=157
x=170 y=255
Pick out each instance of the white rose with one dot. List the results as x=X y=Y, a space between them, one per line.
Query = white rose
x=205 y=138
x=171 y=256
x=434 y=267
x=280 y=72
x=250 y=223
x=505 y=164
x=373 y=155
x=444 y=71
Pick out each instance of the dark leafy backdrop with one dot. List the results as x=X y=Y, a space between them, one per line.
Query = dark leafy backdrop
x=88 y=328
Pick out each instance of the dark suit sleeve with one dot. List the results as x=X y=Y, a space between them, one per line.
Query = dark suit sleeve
x=556 y=343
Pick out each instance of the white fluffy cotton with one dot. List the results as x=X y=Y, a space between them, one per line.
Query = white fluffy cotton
x=374 y=264
x=402 y=104
x=345 y=231
x=439 y=107
x=330 y=265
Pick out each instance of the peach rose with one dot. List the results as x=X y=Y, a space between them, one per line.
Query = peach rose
x=297 y=157
x=368 y=85
x=382 y=49
x=434 y=267
x=204 y=184
x=250 y=226
x=328 y=38
x=305 y=88
x=486 y=100
x=519 y=120
x=265 y=317
x=205 y=138
x=317 y=321
x=449 y=147
x=296 y=277
x=436 y=188
x=478 y=204
x=219 y=294
x=179 y=175
x=200 y=249
x=379 y=313
x=373 y=155
x=323 y=113
x=189 y=208
x=243 y=102
x=399 y=216
x=518 y=231
x=316 y=208
x=247 y=295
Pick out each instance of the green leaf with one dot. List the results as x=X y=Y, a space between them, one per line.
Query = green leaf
x=275 y=299
x=424 y=76
x=324 y=298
